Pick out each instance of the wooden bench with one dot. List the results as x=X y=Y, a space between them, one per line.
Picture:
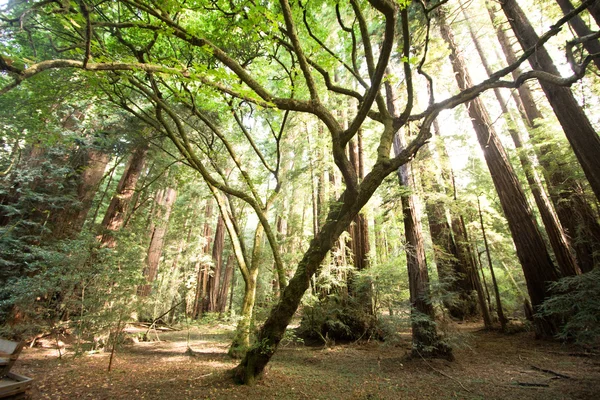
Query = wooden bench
x=11 y=385
x=9 y=352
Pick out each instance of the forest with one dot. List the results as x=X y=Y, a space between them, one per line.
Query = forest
x=370 y=199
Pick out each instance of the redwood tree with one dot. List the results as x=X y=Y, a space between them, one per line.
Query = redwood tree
x=531 y=249
x=577 y=127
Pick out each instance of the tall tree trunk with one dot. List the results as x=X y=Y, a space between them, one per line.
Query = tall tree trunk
x=499 y=308
x=282 y=232
x=466 y=252
x=119 y=204
x=453 y=273
x=359 y=243
x=558 y=241
x=214 y=282
x=249 y=270
x=467 y=276
x=577 y=127
x=241 y=341
x=567 y=195
x=202 y=267
x=165 y=198
x=227 y=281
x=425 y=339
x=531 y=249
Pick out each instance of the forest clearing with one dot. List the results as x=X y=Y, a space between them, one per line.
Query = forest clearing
x=488 y=365
x=413 y=185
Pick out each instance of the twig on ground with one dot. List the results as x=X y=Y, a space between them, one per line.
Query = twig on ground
x=549 y=371
x=531 y=384
x=200 y=377
x=576 y=354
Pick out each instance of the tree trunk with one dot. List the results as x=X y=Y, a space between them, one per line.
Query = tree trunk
x=119 y=204
x=241 y=341
x=68 y=224
x=200 y=266
x=452 y=273
x=214 y=281
x=227 y=281
x=359 y=230
x=499 y=308
x=558 y=241
x=531 y=249
x=425 y=339
x=282 y=233
x=164 y=200
x=577 y=127
x=567 y=195
x=466 y=252
x=466 y=276
x=359 y=245
x=594 y=10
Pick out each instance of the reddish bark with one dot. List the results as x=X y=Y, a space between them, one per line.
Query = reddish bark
x=119 y=205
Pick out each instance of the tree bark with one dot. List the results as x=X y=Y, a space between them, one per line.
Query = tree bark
x=594 y=10
x=467 y=277
x=466 y=252
x=164 y=200
x=567 y=195
x=425 y=339
x=282 y=233
x=558 y=240
x=201 y=267
x=531 y=249
x=577 y=127
x=214 y=281
x=227 y=281
x=453 y=270
x=499 y=309
x=68 y=224
x=119 y=204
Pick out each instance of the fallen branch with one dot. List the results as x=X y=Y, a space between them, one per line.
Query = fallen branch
x=153 y=324
x=549 y=371
x=531 y=384
x=576 y=354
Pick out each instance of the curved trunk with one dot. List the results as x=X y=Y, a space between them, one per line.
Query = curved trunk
x=241 y=340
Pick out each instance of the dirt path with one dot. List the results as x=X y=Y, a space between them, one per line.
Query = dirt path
x=489 y=366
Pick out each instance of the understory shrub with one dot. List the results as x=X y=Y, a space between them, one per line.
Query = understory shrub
x=576 y=299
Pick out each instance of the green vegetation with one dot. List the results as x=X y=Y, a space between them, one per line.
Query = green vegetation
x=357 y=168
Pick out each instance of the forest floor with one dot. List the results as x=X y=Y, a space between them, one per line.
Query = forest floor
x=488 y=365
